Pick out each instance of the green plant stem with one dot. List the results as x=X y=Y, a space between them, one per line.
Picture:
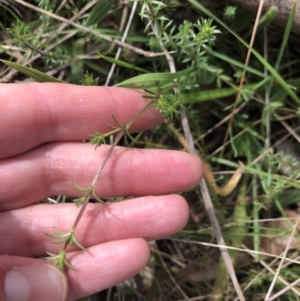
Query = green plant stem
x=96 y=178
x=121 y=132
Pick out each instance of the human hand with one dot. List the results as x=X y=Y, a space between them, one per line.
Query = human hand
x=42 y=154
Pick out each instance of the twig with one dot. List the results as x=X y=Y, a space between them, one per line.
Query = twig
x=203 y=187
x=268 y=268
x=113 y=66
x=206 y=244
x=226 y=189
x=274 y=297
x=292 y=131
x=267 y=298
x=244 y=71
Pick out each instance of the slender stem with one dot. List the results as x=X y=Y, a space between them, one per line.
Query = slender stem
x=120 y=134
x=203 y=187
x=138 y=115
x=96 y=178
x=117 y=139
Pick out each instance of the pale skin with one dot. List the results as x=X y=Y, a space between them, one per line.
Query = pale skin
x=42 y=154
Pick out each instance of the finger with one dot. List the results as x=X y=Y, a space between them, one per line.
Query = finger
x=26 y=279
x=22 y=231
x=97 y=268
x=54 y=168
x=105 y=265
x=36 y=113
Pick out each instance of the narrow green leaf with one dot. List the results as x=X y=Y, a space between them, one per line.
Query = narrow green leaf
x=95 y=67
x=207 y=95
x=98 y=12
x=284 y=42
x=234 y=62
x=122 y=63
x=151 y=79
x=286 y=36
x=33 y=73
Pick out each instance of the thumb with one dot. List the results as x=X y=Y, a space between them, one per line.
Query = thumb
x=32 y=283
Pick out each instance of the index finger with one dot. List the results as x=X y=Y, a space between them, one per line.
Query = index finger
x=36 y=113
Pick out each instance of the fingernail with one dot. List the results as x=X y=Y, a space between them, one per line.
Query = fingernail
x=35 y=282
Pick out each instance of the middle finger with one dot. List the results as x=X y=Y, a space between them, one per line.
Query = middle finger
x=53 y=168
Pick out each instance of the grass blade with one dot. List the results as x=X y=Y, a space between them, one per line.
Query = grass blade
x=151 y=79
x=122 y=64
x=98 y=12
x=37 y=75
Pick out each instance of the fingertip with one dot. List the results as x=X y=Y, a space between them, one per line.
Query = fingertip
x=170 y=215
x=144 y=250
x=182 y=212
x=106 y=265
x=35 y=282
x=196 y=169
